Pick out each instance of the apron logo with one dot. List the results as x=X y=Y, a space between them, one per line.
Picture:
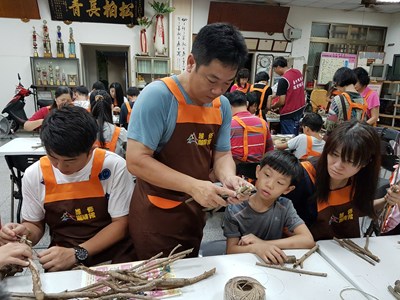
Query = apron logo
x=201 y=140
x=105 y=174
x=343 y=216
x=67 y=216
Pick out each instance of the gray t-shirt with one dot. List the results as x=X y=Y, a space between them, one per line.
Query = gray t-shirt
x=241 y=219
x=299 y=145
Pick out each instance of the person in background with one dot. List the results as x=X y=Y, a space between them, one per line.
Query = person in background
x=117 y=94
x=310 y=142
x=349 y=104
x=181 y=128
x=81 y=192
x=15 y=254
x=291 y=95
x=252 y=104
x=242 y=81
x=370 y=96
x=98 y=85
x=263 y=91
x=63 y=96
x=110 y=136
x=82 y=97
x=268 y=222
x=250 y=136
x=132 y=93
x=339 y=187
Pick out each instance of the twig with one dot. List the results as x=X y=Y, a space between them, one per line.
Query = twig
x=300 y=261
x=181 y=282
x=366 y=243
x=393 y=292
x=292 y=270
x=351 y=249
x=362 y=250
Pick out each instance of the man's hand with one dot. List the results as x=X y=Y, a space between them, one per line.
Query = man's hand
x=57 y=258
x=10 y=232
x=234 y=183
x=209 y=195
x=15 y=253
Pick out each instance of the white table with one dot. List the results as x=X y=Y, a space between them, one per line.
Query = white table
x=22 y=146
x=278 y=284
x=20 y=153
x=371 y=279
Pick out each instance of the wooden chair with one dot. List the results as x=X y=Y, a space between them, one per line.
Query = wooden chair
x=318 y=99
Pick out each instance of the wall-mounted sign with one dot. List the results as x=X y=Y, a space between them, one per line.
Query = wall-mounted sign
x=98 y=11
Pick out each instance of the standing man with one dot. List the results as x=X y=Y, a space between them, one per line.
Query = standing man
x=290 y=91
x=181 y=131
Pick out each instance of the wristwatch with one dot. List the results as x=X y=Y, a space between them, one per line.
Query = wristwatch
x=81 y=254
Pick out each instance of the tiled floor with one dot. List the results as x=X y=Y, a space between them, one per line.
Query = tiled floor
x=212 y=230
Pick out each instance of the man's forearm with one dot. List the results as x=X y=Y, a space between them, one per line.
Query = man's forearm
x=224 y=165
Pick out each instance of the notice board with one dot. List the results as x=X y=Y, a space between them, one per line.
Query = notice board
x=331 y=61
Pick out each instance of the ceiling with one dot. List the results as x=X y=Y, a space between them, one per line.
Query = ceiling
x=347 y=5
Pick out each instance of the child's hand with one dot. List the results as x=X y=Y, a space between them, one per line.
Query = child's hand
x=270 y=253
x=249 y=239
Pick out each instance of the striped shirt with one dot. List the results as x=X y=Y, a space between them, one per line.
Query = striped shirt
x=255 y=140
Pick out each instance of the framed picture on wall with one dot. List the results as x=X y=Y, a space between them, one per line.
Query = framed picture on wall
x=251 y=43
x=265 y=45
x=279 y=46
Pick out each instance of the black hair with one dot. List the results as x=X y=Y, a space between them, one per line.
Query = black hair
x=98 y=85
x=362 y=76
x=252 y=98
x=261 y=76
x=220 y=41
x=68 y=131
x=313 y=121
x=359 y=144
x=344 y=76
x=119 y=93
x=102 y=111
x=61 y=90
x=237 y=98
x=285 y=163
x=242 y=73
x=83 y=90
x=133 y=91
x=280 y=61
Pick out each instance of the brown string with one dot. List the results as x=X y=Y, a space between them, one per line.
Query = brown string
x=243 y=287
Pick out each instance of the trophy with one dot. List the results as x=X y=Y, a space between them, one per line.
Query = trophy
x=57 y=70
x=46 y=40
x=44 y=76
x=51 y=75
x=71 y=44
x=71 y=79
x=39 y=74
x=63 y=79
x=35 y=53
x=60 y=44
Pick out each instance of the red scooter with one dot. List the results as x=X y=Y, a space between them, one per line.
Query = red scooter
x=14 y=110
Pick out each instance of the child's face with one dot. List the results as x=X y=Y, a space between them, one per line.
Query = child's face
x=272 y=184
x=69 y=165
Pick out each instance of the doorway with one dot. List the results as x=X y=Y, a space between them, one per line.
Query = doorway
x=106 y=63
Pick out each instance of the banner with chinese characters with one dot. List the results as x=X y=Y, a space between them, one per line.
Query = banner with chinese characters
x=99 y=11
x=181 y=42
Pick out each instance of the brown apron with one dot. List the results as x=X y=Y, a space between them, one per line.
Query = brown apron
x=337 y=217
x=159 y=218
x=77 y=211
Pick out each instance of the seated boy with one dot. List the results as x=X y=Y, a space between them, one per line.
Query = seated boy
x=310 y=142
x=258 y=225
x=82 y=193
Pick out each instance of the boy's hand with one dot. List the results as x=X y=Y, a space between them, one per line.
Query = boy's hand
x=57 y=258
x=15 y=253
x=10 y=232
x=270 y=253
x=249 y=239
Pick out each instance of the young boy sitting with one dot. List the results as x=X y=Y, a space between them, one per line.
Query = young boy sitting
x=81 y=192
x=258 y=225
x=310 y=142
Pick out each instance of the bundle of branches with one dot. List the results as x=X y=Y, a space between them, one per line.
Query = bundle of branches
x=364 y=253
x=123 y=284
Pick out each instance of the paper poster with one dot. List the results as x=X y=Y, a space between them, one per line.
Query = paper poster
x=181 y=42
x=331 y=61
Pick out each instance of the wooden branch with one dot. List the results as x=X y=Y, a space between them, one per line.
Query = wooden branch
x=292 y=270
x=393 y=292
x=290 y=259
x=181 y=282
x=37 y=285
x=300 y=261
x=351 y=249
x=362 y=250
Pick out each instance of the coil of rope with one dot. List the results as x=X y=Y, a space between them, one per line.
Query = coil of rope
x=243 y=287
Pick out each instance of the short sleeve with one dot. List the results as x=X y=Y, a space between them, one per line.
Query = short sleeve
x=230 y=225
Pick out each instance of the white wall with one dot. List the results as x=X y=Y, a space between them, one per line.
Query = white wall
x=300 y=17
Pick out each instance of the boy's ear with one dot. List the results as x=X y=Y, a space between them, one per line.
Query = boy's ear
x=289 y=189
x=258 y=168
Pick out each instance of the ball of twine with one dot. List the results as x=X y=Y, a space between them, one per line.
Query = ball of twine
x=243 y=287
